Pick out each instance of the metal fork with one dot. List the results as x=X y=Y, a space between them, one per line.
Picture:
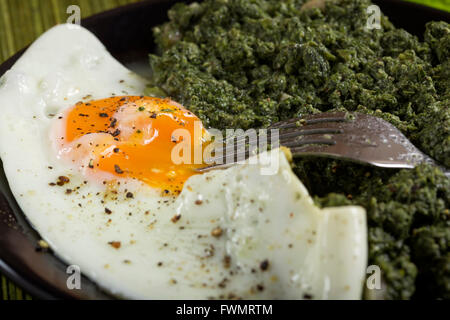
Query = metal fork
x=355 y=137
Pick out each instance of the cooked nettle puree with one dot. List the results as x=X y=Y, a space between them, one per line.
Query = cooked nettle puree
x=248 y=63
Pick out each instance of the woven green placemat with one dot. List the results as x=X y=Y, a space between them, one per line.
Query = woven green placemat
x=439 y=4
x=22 y=21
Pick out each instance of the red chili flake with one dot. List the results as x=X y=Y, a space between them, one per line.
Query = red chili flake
x=115 y=244
x=176 y=218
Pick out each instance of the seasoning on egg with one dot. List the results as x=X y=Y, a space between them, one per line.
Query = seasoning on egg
x=217 y=232
x=62 y=180
x=117 y=169
x=115 y=244
x=176 y=218
x=264 y=266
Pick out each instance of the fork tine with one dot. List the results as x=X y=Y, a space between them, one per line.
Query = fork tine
x=355 y=137
x=293 y=134
x=297 y=122
x=292 y=130
x=300 y=143
x=285 y=138
x=234 y=156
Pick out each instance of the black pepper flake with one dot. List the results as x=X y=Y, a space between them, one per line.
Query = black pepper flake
x=113 y=123
x=116 y=150
x=307 y=296
x=116 y=133
x=69 y=191
x=260 y=287
x=91 y=164
x=153 y=116
x=160 y=264
x=103 y=115
x=130 y=195
x=223 y=283
x=199 y=202
x=117 y=169
x=107 y=211
x=264 y=266
x=62 y=180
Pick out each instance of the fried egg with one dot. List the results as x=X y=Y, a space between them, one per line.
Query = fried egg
x=88 y=159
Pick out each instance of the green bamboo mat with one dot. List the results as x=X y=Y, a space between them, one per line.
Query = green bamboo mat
x=439 y=4
x=22 y=21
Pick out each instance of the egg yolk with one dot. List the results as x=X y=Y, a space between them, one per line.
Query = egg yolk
x=132 y=137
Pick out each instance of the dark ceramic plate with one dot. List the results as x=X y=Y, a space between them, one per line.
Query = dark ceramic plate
x=126 y=32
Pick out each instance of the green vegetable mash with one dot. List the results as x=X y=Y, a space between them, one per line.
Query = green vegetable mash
x=248 y=63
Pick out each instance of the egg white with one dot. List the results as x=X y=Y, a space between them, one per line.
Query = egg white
x=275 y=244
